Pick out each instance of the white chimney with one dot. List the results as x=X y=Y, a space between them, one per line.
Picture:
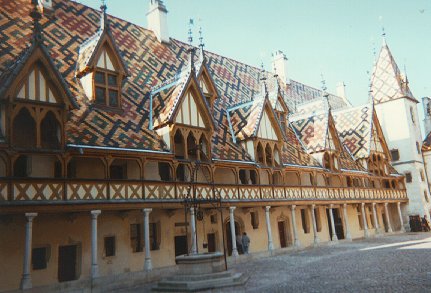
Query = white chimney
x=46 y=7
x=341 y=90
x=157 y=18
x=426 y=102
x=279 y=64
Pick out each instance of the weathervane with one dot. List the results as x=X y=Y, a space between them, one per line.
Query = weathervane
x=190 y=33
x=201 y=39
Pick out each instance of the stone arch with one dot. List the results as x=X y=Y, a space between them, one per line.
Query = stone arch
x=50 y=131
x=239 y=229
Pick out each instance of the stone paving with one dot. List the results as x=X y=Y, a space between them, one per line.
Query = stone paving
x=394 y=263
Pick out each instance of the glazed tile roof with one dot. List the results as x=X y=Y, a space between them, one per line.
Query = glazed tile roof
x=387 y=82
x=354 y=126
x=71 y=38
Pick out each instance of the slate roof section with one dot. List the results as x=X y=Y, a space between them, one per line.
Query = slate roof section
x=387 y=82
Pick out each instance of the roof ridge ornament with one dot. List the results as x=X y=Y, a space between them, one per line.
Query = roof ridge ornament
x=104 y=25
x=384 y=36
x=37 y=36
x=201 y=45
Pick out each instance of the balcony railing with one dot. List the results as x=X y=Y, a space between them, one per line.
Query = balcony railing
x=52 y=190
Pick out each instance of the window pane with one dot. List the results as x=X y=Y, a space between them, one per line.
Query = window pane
x=110 y=246
x=38 y=258
x=113 y=98
x=112 y=80
x=99 y=77
x=100 y=95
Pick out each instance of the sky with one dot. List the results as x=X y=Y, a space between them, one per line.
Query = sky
x=333 y=38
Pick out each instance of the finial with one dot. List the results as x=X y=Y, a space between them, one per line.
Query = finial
x=405 y=74
x=35 y=14
x=103 y=16
x=201 y=39
x=383 y=35
x=190 y=39
x=323 y=82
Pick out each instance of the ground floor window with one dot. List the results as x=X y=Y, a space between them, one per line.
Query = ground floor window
x=39 y=258
x=136 y=237
x=109 y=246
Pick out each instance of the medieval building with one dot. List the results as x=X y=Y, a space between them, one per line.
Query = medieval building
x=121 y=148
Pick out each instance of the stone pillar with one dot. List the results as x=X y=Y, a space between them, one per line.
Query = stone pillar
x=388 y=221
x=331 y=217
x=364 y=221
x=94 y=265
x=295 y=231
x=232 y=231
x=401 y=217
x=193 y=230
x=26 y=277
x=376 y=222
x=346 y=223
x=313 y=219
x=148 y=266
x=268 y=229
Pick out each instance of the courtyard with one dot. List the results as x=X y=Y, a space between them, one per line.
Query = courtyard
x=394 y=263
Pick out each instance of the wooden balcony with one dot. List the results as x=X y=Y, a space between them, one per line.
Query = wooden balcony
x=70 y=191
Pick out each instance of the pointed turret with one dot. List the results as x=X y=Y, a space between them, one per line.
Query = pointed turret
x=387 y=82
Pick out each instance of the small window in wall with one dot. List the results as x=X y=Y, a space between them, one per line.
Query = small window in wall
x=254 y=220
x=154 y=236
x=136 y=237
x=418 y=147
x=109 y=246
x=39 y=258
x=408 y=177
x=304 y=220
x=395 y=154
x=213 y=219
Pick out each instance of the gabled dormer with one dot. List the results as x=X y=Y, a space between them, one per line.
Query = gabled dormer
x=36 y=97
x=101 y=68
x=206 y=81
x=278 y=103
x=379 y=155
x=333 y=148
x=182 y=117
x=254 y=125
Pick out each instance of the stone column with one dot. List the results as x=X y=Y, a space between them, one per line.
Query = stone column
x=376 y=222
x=148 y=266
x=295 y=231
x=401 y=217
x=313 y=219
x=193 y=230
x=388 y=221
x=364 y=221
x=331 y=217
x=94 y=265
x=268 y=229
x=346 y=223
x=232 y=231
x=26 y=277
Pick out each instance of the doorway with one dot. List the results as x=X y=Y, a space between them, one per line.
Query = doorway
x=282 y=233
x=67 y=263
x=338 y=223
x=211 y=240
x=385 y=223
x=180 y=245
x=229 y=237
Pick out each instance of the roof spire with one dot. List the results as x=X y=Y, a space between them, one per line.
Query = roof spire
x=190 y=32
x=383 y=36
x=103 y=17
x=201 y=45
x=35 y=14
x=263 y=79
x=324 y=88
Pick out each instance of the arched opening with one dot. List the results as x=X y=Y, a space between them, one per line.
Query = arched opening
x=124 y=169
x=203 y=174
x=183 y=173
x=268 y=155
x=239 y=229
x=284 y=232
x=204 y=149
x=37 y=166
x=325 y=161
x=24 y=130
x=192 y=148
x=3 y=168
x=264 y=177
x=277 y=178
x=259 y=154
x=247 y=176
x=334 y=181
x=349 y=181
x=320 y=180
x=179 y=145
x=291 y=179
x=50 y=131
x=277 y=159
x=307 y=179
x=86 y=168
x=224 y=176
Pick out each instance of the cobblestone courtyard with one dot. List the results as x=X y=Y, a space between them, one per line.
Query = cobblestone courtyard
x=396 y=263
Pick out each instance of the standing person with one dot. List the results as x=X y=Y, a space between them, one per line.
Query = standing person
x=245 y=242
x=239 y=244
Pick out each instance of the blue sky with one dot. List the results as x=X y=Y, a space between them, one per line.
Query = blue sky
x=334 y=37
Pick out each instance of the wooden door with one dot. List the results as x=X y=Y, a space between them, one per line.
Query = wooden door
x=67 y=256
x=180 y=245
x=282 y=233
x=211 y=239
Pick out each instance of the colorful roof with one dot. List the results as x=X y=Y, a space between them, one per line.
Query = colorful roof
x=387 y=82
x=71 y=38
x=354 y=128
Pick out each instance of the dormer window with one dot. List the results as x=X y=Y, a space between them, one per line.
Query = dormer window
x=106 y=88
x=330 y=161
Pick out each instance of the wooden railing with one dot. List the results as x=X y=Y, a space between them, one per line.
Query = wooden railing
x=51 y=190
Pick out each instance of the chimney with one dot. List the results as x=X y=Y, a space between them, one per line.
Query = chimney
x=341 y=90
x=426 y=102
x=157 y=18
x=45 y=7
x=279 y=64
